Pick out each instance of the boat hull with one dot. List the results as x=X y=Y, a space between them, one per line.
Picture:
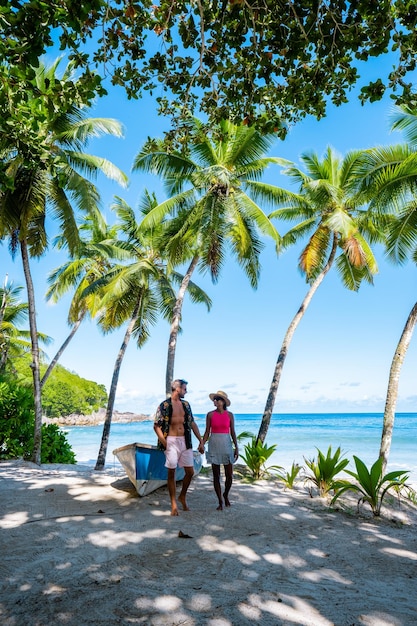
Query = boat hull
x=145 y=466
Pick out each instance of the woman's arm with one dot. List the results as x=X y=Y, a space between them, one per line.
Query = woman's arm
x=208 y=428
x=233 y=433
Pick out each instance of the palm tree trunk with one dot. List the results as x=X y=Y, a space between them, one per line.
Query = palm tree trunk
x=61 y=349
x=270 y=402
x=175 y=323
x=101 y=459
x=4 y=300
x=3 y=358
x=3 y=346
x=37 y=439
x=392 y=391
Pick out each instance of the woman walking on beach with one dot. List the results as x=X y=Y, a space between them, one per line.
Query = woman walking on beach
x=220 y=431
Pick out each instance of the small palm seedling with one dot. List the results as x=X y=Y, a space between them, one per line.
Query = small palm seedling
x=288 y=478
x=372 y=485
x=246 y=434
x=411 y=494
x=324 y=470
x=255 y=457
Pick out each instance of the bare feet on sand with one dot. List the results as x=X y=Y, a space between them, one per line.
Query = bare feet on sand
x=226 y=500
x=183 y=503
x=220 y=507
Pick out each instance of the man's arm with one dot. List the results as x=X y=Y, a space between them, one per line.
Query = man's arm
x=160 y=416
x=160 y=435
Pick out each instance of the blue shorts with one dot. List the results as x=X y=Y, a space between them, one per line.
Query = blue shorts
x=176 y=453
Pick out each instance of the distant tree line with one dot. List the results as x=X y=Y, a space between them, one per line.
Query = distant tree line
x=66 y=392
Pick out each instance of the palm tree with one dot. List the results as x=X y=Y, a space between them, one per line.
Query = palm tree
x=50 y=186
x=93 y=258
x=12 y=312
x=14 y=340
x=326 y=207
x=388 y=175
x=190 y=254
x=133 y=293
x=212 y=193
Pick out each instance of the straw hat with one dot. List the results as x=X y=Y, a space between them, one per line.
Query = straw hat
x=221 y=394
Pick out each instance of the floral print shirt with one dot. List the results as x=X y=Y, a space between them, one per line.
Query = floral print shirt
x=163 y=419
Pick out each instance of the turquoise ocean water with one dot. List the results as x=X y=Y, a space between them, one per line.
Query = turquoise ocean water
x=296 y=435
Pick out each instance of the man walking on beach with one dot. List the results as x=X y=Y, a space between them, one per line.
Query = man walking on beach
x=173 y=424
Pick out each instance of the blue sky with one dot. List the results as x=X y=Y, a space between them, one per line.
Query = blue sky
x=341 y=353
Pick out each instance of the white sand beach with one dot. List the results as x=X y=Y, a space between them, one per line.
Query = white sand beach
x=80 y=548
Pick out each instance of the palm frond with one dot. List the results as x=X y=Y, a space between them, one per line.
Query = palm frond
x=297 y=232
x=402 y=237
x=359 y=253
x=377 y=165
x=404 y=118
x=374 y=227
x=246 y=145
x=197 y=295
x=247 y=247
x=298 y=207
x=62 y=211
x=170 y=206
x=313 y=257
x=64 y=278
x=253 y=170
x=79 y=131
x=92 y=165
x=35 y=234
x=164 y=164
x=147 y=317
x=212 y=253
x=251 y=210
x=352 y=276
x=270 y=195
x=340 y=221
x=127 y=218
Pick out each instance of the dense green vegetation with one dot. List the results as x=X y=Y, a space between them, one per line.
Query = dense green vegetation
x=270 y=63
x=65 y=392
x=17 y=420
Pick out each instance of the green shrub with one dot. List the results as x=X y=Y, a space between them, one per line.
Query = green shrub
x=17 y=425
x=255 y=456
x=324 y=470
x=55 y=447
x=372 y=485
x=17 y=419
x=288 y=478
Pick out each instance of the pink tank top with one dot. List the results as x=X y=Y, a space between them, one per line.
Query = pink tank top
x=220 y=422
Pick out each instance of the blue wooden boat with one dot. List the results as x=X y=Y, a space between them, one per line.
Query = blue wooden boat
x=145 y=466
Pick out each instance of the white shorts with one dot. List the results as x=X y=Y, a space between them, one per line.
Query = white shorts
x=176 y=453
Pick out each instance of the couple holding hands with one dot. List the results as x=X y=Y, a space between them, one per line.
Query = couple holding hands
x=173 y=425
